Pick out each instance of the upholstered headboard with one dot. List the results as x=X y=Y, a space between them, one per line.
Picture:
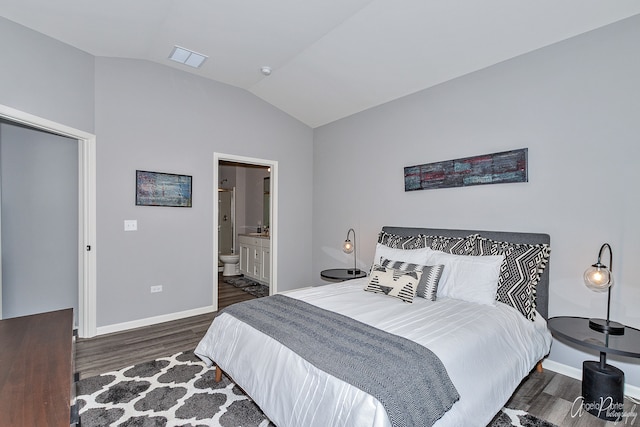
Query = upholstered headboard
x=542 y=288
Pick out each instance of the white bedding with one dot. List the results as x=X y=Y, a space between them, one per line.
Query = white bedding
x=486 y=350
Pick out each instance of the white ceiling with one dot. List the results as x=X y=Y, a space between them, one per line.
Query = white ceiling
x=330 y=58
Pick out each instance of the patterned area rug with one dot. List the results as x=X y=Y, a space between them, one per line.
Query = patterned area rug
x=174 y=391
x=180 y=391
x=250 y=286
x=517 y=418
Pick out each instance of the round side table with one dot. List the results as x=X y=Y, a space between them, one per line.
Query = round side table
x=342 y=274
x=601 y=382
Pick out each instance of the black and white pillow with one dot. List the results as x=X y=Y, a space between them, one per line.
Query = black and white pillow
x=428 y=284
x=395 y=283
x=449 y=245
x=520 y=271
x=401 y=242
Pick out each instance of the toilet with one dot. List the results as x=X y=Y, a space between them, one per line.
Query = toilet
x=231 y=264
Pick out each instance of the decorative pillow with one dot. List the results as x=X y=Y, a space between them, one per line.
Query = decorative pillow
x=414 y=256
x=401 y=242
x=395 y=283
x=520 y=271
x=468 y=278
x=428 y=284
x=450 y=245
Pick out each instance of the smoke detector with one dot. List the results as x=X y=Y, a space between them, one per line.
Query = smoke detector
x=265 y=70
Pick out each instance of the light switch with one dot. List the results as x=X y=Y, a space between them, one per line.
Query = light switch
x=130 y=225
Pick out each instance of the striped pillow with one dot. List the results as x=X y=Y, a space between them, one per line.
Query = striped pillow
x=395 y=283
x=428 y=284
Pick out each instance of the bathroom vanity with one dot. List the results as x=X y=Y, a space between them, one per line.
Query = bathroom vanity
x=255 y=257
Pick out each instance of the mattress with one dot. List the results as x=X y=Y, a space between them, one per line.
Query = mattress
x=487 y=351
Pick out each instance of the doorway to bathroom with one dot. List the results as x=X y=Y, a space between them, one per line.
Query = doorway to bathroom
x=245 y=207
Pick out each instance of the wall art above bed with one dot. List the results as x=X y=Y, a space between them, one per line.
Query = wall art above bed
x=496 y=168
x=163 y=189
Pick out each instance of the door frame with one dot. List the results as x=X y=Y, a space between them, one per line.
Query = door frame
x=273 y=219
x=86 y=211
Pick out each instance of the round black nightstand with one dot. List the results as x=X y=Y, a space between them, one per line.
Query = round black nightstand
x=342 y=274
x=601 y=383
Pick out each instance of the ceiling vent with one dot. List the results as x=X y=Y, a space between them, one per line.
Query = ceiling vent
x=187 y=57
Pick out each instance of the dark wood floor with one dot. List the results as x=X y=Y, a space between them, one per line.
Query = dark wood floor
x=551 y=396
x=118 y=350
x=547 y=395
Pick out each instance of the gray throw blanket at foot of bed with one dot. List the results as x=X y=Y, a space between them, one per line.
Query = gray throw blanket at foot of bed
x=408 y=379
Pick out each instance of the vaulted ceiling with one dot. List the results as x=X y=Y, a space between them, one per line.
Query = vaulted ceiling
x=329 y=58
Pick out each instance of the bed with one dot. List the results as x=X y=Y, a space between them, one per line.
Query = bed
x=487 y=348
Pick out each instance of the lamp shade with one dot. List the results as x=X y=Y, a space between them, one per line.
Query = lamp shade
x=598 y=278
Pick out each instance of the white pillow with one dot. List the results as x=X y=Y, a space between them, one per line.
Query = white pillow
x=413 y=256
x=468 y=278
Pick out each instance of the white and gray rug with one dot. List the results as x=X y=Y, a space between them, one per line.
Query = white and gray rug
x=180 y=390
x=174 y=391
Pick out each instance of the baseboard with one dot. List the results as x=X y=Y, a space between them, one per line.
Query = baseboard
x=109 y=329
x=571 y=372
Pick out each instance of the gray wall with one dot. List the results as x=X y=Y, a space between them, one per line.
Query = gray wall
x=575 y=105
x=157 y=118
x=39 y=178
x=46 y=78
x=49 y=79
x=147 y=116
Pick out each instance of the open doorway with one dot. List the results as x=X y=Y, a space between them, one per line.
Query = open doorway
x=39 y=221
x=86 y=236
x=251 y=219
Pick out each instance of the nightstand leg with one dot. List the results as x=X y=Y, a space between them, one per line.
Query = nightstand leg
x=603 y=389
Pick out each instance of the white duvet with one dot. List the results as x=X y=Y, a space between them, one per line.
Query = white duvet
x=486 y=350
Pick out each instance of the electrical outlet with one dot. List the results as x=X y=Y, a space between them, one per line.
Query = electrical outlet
x=155 y=289
x=130 y=225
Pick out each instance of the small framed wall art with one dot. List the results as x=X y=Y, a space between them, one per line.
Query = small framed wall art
x=163 y=189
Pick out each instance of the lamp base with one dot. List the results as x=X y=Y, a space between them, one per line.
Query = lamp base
x=353 y=271
x=607 y=326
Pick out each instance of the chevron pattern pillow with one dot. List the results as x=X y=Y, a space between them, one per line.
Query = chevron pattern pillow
x=519 y=273
x=450 y=245
x=395 y=283
x=428 y=284
x=401 y=242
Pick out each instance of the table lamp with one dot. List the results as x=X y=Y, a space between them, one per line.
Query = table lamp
x=348 y=247
x=599 y=278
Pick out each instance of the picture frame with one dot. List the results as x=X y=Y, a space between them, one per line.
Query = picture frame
x=495 y=168
x=163 y=189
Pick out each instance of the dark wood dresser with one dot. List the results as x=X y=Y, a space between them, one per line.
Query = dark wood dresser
x=36 y=369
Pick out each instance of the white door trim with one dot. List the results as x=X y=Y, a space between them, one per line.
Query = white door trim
x=273 y=218
x=86 y=211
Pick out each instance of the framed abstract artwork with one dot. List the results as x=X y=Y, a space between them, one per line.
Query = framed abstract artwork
x=163 y=189
x=495 y=168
